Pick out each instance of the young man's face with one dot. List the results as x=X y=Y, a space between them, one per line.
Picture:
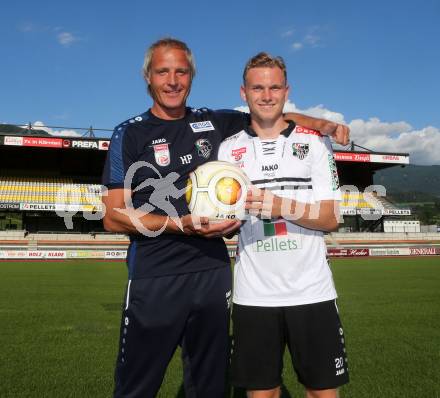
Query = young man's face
x=265 y=91
x=170 y=81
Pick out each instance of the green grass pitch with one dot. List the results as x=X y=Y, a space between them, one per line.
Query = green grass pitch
x=60 y=324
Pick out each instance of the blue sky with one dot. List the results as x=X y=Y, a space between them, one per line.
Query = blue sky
x=373 y=65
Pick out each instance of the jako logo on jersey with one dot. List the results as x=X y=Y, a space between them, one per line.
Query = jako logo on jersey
x=204 y=147
x=238 y=153
x=300 y=150
x=269 y=167
x=201 y=126
x=162 y=154
x=158 y=141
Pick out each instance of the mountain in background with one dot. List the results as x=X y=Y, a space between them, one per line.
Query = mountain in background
x=12 y=129
x=410 y=183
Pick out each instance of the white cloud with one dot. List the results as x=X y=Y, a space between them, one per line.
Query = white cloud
x=396 y=137
x=26 y=27
x=62 y=36
x=310 y=39
x=288 y=33
x=66 y=38
x=297 y=46
x=60 y=133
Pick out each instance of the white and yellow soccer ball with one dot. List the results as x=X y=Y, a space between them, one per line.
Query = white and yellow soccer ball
x=217 y=190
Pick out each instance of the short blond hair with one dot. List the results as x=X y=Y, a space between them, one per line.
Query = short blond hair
x=265 y=60
x=167 y=42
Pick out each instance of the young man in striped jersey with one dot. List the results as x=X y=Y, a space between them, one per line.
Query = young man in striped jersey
x=283 y=287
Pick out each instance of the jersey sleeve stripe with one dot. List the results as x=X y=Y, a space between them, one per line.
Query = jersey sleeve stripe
x=116 y=162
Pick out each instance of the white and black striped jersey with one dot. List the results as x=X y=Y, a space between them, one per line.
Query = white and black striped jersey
x=279 y=262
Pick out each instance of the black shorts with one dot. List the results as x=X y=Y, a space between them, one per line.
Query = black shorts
x=190 y=310
x=313 y=334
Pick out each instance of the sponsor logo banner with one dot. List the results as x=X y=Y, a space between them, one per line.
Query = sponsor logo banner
x=58 y=207
x=14 y=141
x=348 y=252
x=372 y=158
x=300 y=129
x=38 y=206
x=390 y=251
x=389 y=158
x=9 y=206
x=43 y=142
x=386 y=212
x=84 y=144
x=397 y=212
x=238 y=153
x=274 y=237
x=103 y=145
x=85 y=254
x=198 y=127
x=352 y=157
x=423 y=251
x=32 y=254
x=119 y=254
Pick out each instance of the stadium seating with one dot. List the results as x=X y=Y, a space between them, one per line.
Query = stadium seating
x=359 y=200
x=48 y=191
x=369 y=202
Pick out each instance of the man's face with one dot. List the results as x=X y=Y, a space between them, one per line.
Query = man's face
x=265 y=91
x=170 y=81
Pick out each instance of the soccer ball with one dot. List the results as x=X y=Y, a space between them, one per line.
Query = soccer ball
x=217 y=190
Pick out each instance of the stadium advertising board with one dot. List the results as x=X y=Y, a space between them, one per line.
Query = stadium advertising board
x=385 y=212
x=85 y=254
x=32 y=254
x=362 y=252
x=55 y=142
x=116 y=254
x=352 y=157
x=9 y=206
x=424 y=251
x=84 y=144
x=390 y=251
x=13 y=141
x=371 y=157
x=38 y=206
x=397 y=212
x=43 y=142
x=103 y=145
x=58 y=207
x=389 y=158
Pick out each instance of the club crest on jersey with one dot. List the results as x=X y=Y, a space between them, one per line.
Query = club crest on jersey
x=300 y=150
x=204 y=148
x=205 y=125
x=162 y=154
